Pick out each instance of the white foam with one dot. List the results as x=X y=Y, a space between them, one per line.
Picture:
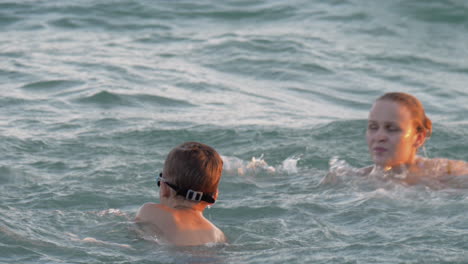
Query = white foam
x=289 y=165
x=74 y=237
x=255 y=165
x=111 y=211
x=259 y=164
x=433 y=175
x=97 y=241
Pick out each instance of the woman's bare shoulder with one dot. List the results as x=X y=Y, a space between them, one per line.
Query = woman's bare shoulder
x=443 y=166
x=457 y=167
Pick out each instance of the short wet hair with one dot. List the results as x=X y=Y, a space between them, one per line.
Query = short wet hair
x=193 y=165
x=422 y=122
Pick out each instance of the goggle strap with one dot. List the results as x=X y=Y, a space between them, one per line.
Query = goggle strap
x=189 y=194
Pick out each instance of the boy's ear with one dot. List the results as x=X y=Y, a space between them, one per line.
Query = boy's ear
x=215 y=196
x=165 y=190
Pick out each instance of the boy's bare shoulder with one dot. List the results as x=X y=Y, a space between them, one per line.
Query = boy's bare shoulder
x=197 y=236
x=147 y=212
x=220 y=237
x=216 y=234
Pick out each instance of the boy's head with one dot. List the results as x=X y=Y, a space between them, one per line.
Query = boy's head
x=194 y=166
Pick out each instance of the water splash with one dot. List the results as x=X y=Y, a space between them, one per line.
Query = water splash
x=112 y=211
x=289 y=165
x=259 y=165
x=431 y=173
x=339 y=169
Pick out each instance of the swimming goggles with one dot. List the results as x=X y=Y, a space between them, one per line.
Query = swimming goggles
x=188 y=194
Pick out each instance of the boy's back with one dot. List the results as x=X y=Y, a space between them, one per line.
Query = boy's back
x=182 y=227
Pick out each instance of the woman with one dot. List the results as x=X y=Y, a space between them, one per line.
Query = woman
x=397 y=128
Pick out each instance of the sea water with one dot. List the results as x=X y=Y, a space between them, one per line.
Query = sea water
x=95 y=93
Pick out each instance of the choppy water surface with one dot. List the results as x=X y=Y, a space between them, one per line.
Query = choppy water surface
x=94 y=95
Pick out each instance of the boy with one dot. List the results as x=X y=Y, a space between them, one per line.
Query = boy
x=188 y=184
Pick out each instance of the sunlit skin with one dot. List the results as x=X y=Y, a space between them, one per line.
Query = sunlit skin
x=391 y=135
x=180 y=222
x=397 y=128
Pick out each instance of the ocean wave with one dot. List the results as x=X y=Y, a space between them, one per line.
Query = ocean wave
x=51 y=85
x=112 y=99
x=446 y=11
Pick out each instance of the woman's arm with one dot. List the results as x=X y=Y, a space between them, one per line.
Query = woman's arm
x=457 y=168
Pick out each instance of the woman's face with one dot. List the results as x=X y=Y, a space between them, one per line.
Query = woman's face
x=391 y=135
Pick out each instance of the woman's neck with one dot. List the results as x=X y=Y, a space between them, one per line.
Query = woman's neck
x=396 y=171
x=398 y=168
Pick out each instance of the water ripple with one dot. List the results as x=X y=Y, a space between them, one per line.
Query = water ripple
x=111 y=99
x=51 y=85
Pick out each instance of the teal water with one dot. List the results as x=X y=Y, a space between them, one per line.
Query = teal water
x=94 y=95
